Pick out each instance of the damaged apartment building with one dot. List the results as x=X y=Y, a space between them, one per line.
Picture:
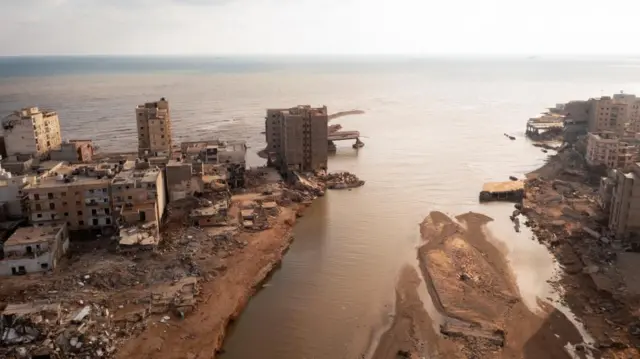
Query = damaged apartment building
x=139 y=199
x=297 y=138
x=609 y=149
x=154 y=131
x=34 y=249
x=78 y=195
x=31 y=132
x=205 y=167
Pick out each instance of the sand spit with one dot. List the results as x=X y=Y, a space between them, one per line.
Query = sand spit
x=473 y=288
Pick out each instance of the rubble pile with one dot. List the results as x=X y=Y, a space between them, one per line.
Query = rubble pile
x=342 y=180
x=52 y=331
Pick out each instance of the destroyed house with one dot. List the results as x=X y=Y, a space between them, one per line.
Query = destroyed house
x=34 y=249
x=26 y=322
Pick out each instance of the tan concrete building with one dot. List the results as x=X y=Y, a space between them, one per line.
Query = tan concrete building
x=34 y=249
x=31 y=131
x=77 y=195
x=154 y=129
x=137 y=191
x=606 y=148
x=609 y=114
x=74 y=151
x=298 y=137
x=624 y=215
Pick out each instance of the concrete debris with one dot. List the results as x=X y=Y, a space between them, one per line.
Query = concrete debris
x=342 y=180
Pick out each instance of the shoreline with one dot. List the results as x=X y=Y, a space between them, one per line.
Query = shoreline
x=202 y=333
x=604 y=311
x=607 y=326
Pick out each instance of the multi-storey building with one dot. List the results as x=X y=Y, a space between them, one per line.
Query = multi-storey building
x=606 y=148
x=298 y=137
x=609 y=114
x=31 y=131
x=34 y=249
x=624 y=215
x=139 y=193
x=154 y=129
x=77 y=195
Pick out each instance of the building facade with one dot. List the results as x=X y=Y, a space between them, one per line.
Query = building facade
x=77 y=195
x=624 y=215
x=34 y=249
x=154 y=129
x=606 y=148
x=138 y=189
x=298 y=137
x=31 y=131
x=609 y=114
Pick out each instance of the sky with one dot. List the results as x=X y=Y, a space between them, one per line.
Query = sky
x=332 y=27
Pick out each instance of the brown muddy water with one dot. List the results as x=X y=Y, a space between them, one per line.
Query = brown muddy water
x=434 y=134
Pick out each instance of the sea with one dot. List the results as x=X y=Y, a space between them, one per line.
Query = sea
x=433 y=130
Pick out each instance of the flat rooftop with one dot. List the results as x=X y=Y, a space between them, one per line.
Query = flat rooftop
x=75 y=175
x=508 y=186
x=28 y=235
x=149 y=175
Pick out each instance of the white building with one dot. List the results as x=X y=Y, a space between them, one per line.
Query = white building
x=11 y=196
x=34 y=249
x=31 y=132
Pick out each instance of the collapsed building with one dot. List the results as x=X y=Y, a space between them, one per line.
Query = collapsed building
x=139 y=197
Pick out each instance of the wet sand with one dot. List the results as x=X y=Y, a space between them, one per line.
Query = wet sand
x=474 y=290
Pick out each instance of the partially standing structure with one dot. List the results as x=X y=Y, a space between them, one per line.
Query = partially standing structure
x=154 y=129
x=34 y=249
x=32 y=132
x=297 y=138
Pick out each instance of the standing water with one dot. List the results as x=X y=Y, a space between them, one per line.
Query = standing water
x=434 y=133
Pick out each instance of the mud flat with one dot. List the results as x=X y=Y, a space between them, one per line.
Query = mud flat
x=472 y=287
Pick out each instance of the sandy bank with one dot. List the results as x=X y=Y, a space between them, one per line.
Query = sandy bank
x=201 y=333
x=474 y=291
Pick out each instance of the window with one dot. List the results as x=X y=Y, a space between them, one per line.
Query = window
x=129 y=197
x=95 y=221
x=64 y=203
x=90 y=191
x=36 y=196
x=68 y=224
x=94 y=212
x=79 y=213
x=39 y=215
x=44 y=265
x=81 y=223
x=106 y=211
x=78 y=203
x=108 y=221
x=52 y=205
x=63 y=193
x=104 y=190
x=38 y=207
x=50 y=195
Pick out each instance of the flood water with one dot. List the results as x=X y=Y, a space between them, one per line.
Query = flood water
x=433 y=133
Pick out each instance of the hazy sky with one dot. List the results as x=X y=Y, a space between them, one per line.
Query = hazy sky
x=318 y=27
